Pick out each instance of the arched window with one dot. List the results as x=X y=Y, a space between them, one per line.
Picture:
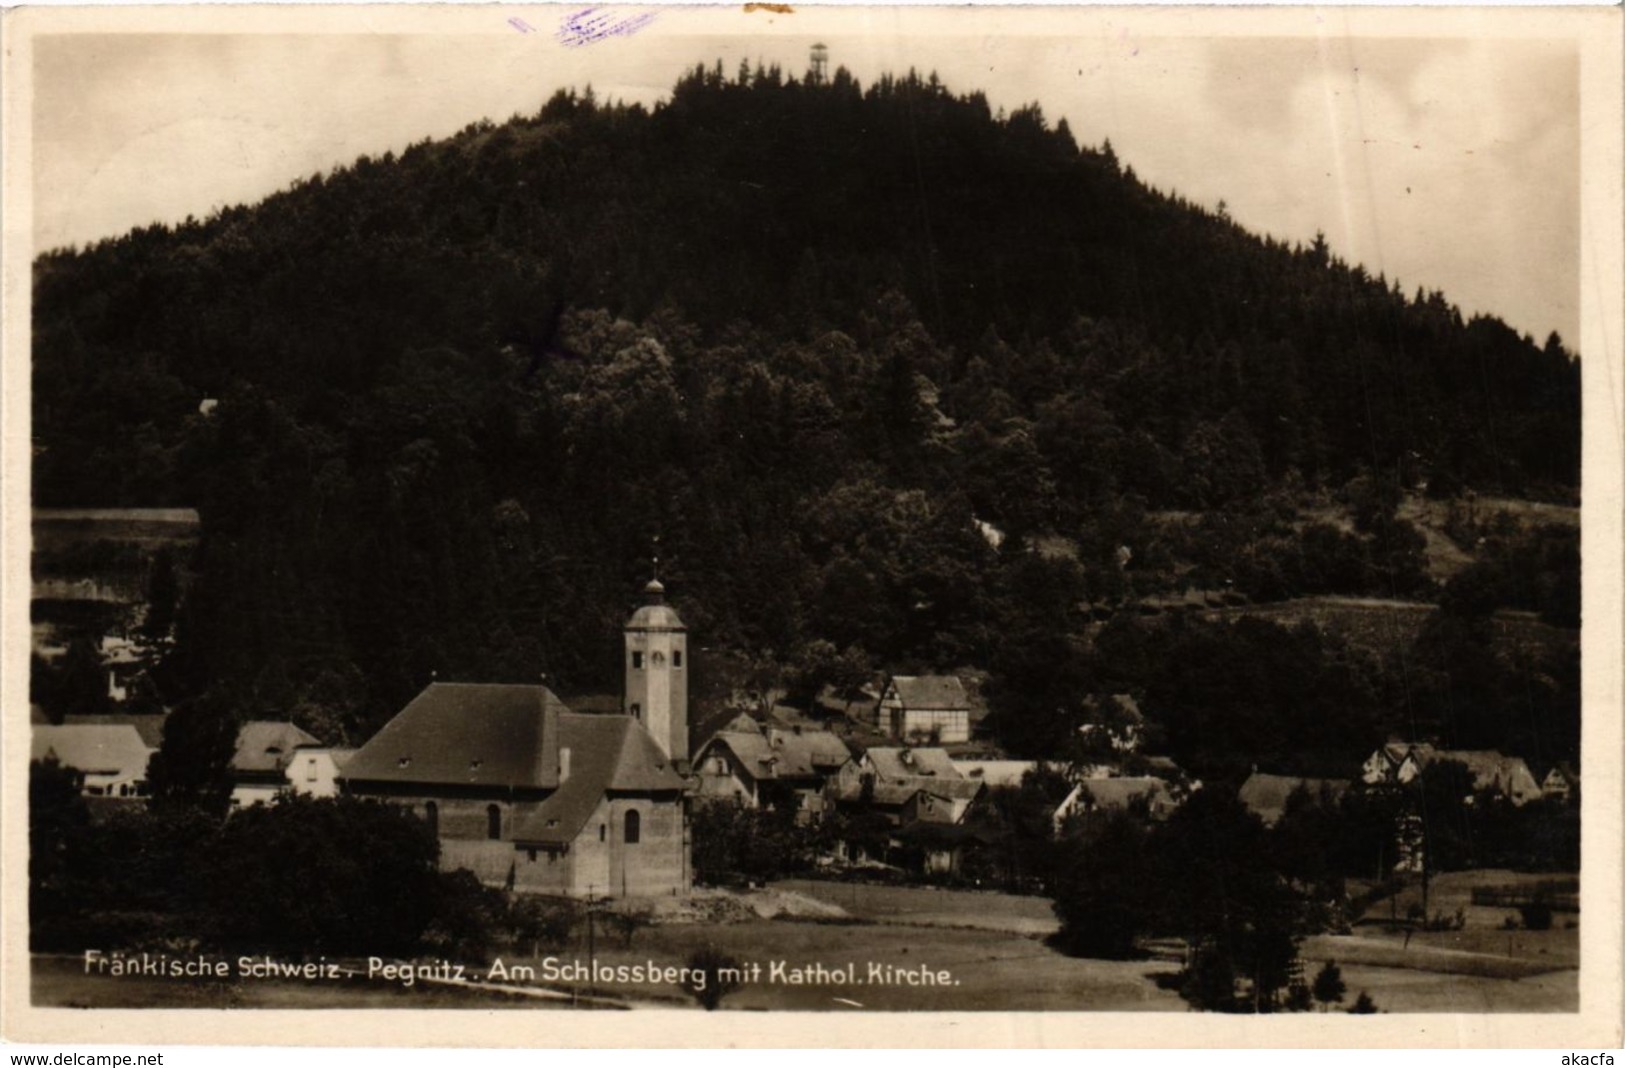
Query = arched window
x=493 y=821
x=431 y=816
x=633 y=827
x=637 y=711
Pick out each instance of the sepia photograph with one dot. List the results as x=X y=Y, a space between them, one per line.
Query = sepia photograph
x=896 y=513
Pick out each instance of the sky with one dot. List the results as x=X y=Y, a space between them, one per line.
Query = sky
x=1447 y=162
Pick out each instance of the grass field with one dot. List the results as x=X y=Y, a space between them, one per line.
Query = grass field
x=930 y=907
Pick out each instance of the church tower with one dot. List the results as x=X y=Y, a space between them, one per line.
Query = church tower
x=657 y=672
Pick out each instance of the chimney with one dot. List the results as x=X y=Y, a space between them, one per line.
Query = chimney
x=564 y=764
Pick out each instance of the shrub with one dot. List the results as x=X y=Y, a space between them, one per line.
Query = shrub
x=1537 y=916
x=467 y=917
x=712 y=972
x=339 y=875
x=1329 y=986
x=541 y=922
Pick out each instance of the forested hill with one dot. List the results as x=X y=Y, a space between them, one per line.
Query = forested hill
x=805 y=332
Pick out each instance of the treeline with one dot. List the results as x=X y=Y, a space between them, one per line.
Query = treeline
x=301 y=878
x=807 y=334
x=1242 y=895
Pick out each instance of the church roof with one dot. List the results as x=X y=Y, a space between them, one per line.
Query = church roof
x=656 y=614
x=606 y=753
x=467 y=734
x=931 y=691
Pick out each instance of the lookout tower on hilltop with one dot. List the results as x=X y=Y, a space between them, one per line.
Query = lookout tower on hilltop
x=819 y=69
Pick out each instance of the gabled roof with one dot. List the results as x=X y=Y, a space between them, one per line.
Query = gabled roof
x=996 y=772
x=1118 y=793
x=783 y=754
x=267 y=745
x=467 y=734
x=826 y=750
x=892 y=793
x=606 y=753
x=1266 y=795
x=151 y=728
x=904 y=763
x=1563 y=770
x=1490 y=767
x=106 y=749
x=931 y=691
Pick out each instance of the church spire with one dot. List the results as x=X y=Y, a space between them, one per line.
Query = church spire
x=655 y=590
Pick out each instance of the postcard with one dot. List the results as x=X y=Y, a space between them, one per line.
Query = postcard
x=812 y=526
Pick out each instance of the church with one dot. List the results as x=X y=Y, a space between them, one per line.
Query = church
x=529 y=795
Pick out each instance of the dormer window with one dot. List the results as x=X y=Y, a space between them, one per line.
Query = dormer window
x=404 y=762
x=474 y=765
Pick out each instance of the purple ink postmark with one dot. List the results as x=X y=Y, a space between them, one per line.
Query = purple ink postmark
x=592 y=24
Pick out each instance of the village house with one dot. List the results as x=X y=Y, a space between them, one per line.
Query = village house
x=1114 y=721
x=259 y=766
x=905 y=785
x=314 y=770
x=1123 y=793
x=527 y=794
x=1561 y=781
x=1267 y=796
x=1398 y=763
x=765 y=766
x=111 y=757
x=925 y=709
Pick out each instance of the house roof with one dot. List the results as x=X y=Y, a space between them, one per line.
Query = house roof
x=895 y=793
x=783 y=754
x=108 y=749
x=150 y=728
x=1118 y=793
x=1564 y=770
x=1396 y=752
x=606 y=753
x=467 y=734
x=996 y=772
x=904 y=763
x=1266 y=795
x=931 y=691
x=824 y=751
x=1489 y=766
x=267 y=745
